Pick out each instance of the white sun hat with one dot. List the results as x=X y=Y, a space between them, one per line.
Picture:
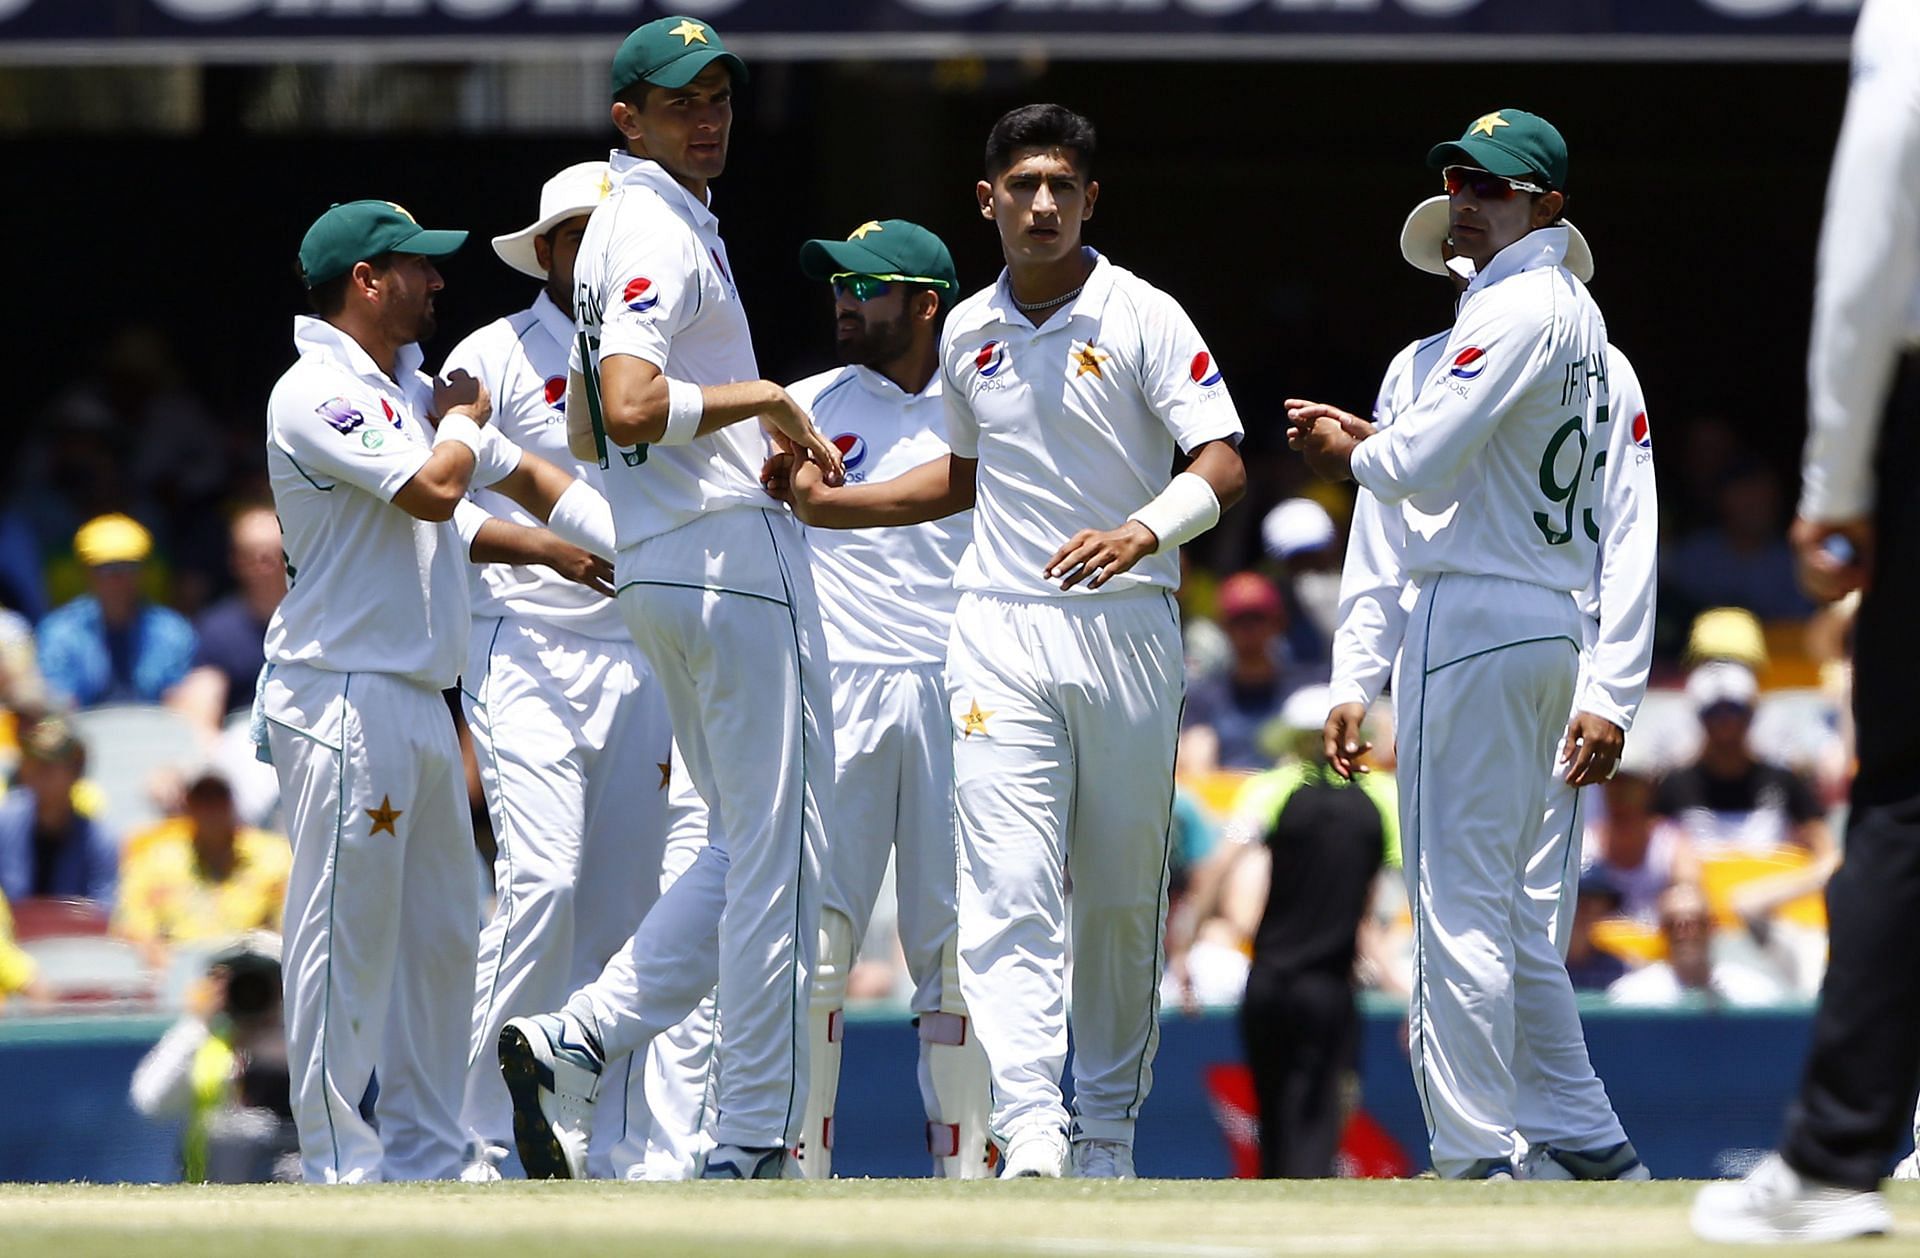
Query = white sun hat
x=1425 y=233
x=576 y=190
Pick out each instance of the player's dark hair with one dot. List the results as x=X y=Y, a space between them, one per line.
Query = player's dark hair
x=330 y=298
x=634 y=95
x=1040 y=127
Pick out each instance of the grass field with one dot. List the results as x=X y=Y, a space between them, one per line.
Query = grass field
x=865 y=1219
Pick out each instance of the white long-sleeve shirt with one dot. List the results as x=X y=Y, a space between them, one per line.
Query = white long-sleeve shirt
x=1377 y=592
x=1869 y=267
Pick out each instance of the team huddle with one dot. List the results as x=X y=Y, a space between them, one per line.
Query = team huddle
x=726 y=648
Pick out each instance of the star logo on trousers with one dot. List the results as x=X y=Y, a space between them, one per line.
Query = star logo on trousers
x=975 y=720
x=666 y=772
x=384 y=816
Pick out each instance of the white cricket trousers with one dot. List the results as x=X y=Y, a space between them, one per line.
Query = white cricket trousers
x=574 y=748
x=724 y=610
x=380 y=927
x=895 y=795
x=1065 y=713
x=1486 y=685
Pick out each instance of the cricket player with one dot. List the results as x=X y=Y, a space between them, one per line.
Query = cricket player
x=715 y=587
x=565 y=717
x=1856 y=529
x=1563 y=1118
x=887 y=601
x=1500 y=462
x=1068 y=385
x=380 y=934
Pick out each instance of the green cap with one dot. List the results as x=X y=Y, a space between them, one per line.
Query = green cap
x=359 y=230
x=1509 y=142
x=671 y=52
x=890 y=248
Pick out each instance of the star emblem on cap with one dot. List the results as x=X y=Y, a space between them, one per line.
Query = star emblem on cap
x=403 y=212
x=383 y=817
x=690 y=33
x=1088 y=360
x=1485 y=123
x=975 y=720
x=860 y=232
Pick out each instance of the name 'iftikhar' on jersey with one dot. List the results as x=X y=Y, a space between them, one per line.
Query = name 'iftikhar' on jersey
x=1074 y=423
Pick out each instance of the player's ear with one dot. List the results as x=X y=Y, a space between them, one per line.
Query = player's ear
x=543 y=252
x=983 y=192
x=927 y=306
x=362 y=277
x=1093 y=194
x=1548 y=208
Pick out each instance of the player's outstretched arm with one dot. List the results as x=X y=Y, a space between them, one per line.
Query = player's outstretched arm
x=1189 y=506
x=502 y=541
x=640 y=404
x=932 y=491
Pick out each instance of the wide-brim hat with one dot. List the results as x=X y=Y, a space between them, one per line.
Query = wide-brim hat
x=577 y=190
x=1423 y=240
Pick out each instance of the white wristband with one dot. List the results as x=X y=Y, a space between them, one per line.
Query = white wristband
x=459 y=428
x=1185 y=509
x=581 y=517
x=496 y=459
x=468 y=517
x=685 y=405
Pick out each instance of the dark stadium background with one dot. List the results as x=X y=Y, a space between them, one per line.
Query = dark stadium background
x=1267 y=197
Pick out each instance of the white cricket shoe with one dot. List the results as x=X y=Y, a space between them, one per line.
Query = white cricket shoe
x=552 y=1067
x=1620 y=1162
x=1102 y=1159
x=1776 y=1205
x=1036 y=1152
x=732 y=1161
x=484 y=1167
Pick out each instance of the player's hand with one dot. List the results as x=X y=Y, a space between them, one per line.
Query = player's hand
x=1096 y=556
x=582 y=567
x=1832 y=558
x=776 y=475
x=1343 y=745
x=1325 y=436
x=461 y=394
x=794 y=433
x=1592 y=749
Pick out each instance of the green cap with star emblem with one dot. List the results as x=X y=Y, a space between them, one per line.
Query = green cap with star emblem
x=890 y=249
x=1509 y=142
x=359 y=230
x=671 y=52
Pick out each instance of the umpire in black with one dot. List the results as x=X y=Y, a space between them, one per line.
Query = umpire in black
x=1327 y=838
x=1859 y=530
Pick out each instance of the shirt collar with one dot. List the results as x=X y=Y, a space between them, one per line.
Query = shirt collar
x=1088 y=305
x=878 y=384
x=631 y=171
x=318 y=337
x=1544 y=246
x=557 y=322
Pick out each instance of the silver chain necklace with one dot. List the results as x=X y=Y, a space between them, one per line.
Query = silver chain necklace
x=1037 y=306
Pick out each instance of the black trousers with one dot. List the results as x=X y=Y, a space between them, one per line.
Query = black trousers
x=1301 y=1033
x=1856 y=1097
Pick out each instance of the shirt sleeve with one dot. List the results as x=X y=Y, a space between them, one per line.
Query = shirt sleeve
x=1373 y=616
x=1869 y=263
x=1180 y=378
x=653 y=291
x=1626 y=563
x=344 y=436
x=1495 y=353
x=963 y=429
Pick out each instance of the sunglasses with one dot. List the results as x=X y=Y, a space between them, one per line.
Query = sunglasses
x=867 y=287
x=1485 y=185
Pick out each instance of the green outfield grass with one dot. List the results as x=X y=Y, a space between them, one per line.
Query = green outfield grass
x=865 y=1218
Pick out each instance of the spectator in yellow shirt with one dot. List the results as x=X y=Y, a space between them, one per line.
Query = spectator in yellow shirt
x=201 y=875
x=16 y=967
